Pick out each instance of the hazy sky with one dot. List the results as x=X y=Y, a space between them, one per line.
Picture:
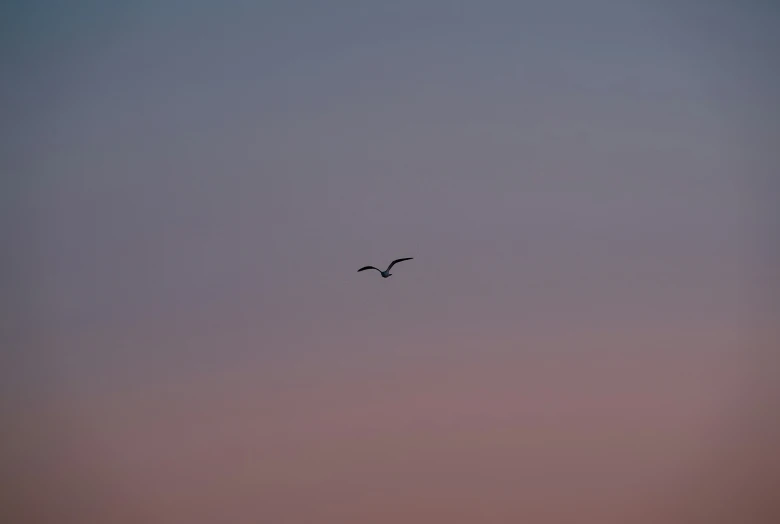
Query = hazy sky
x=585 y=334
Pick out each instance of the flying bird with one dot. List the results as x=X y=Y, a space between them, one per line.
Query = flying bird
x=386 y=273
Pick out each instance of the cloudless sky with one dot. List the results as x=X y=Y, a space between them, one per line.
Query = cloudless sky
x=586 y=331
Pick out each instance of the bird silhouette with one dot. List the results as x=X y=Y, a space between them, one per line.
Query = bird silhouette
x=386 y=273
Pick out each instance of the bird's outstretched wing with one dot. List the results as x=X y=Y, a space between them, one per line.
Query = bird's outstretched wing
x=367 y=267
x=394 y=262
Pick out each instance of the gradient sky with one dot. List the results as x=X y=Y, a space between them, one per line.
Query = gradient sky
x=586 y=333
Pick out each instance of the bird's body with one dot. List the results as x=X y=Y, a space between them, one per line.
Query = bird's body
x=386 y=273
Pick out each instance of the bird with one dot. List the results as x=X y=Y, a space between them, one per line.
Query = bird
x=386 y=273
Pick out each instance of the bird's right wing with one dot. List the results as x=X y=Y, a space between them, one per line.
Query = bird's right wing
x=394 y=262
x=367 y=267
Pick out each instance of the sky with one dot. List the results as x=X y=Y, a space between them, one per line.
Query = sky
x=587 y=332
